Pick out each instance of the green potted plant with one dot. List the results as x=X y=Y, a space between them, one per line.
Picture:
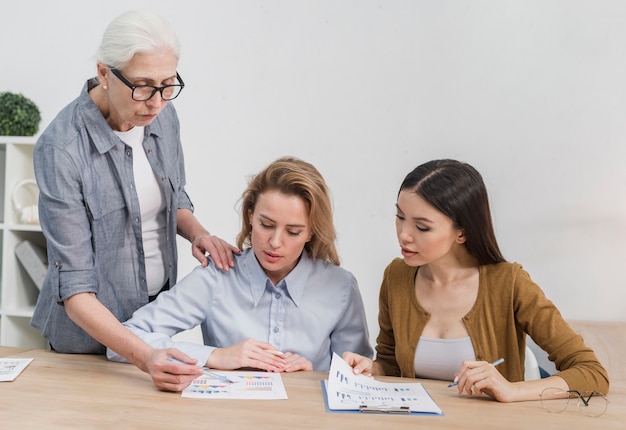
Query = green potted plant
x=19 y=116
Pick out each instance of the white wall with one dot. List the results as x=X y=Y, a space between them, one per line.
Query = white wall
x=532 y=93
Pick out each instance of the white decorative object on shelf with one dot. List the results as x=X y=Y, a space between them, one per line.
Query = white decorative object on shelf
x=25 y=196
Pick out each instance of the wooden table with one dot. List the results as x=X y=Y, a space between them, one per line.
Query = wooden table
x=88 y=392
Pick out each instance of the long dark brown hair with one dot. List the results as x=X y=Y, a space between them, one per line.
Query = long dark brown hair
x=457 y=190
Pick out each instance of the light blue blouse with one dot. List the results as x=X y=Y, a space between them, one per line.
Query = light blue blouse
x=315 y=311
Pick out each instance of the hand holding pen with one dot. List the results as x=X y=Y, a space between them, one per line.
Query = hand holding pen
x=456 y=379
x=166 y=372
x=206 y=372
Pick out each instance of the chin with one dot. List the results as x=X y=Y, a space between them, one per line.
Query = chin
x=413 y=261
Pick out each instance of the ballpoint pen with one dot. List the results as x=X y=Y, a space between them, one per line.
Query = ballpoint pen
x=216 y=376
x=495 y=363
x=205 y=371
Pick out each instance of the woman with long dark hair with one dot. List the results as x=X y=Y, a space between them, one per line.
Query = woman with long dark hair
x=452 y=307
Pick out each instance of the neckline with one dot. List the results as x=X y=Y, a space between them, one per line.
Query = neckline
x=477 y=302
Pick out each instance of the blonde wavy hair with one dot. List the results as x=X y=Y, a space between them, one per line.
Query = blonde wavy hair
x=294 y=177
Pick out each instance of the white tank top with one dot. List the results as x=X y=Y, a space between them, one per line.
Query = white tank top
x=152 y=207
x=441 y=358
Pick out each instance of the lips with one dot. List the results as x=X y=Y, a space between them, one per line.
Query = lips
x=272 y=257
x=406 y=253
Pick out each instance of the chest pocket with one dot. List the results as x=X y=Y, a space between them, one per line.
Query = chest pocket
x=108 y=215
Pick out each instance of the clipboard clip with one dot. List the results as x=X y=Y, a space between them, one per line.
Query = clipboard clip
x=382 y=409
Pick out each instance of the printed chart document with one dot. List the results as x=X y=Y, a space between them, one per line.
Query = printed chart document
x=345 y=391
x=10 y=368
x=237 y=385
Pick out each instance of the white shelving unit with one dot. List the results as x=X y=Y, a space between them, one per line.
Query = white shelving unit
x=18 y=293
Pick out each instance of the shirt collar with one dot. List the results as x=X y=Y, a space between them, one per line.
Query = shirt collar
x=295 y=281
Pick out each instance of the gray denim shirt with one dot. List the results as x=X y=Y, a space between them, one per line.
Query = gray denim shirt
x=89 y=214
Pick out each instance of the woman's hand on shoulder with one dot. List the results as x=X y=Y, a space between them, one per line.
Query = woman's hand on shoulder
x=221 y=251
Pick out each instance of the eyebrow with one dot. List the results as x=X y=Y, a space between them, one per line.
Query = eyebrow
x=415 y=219
x=149 y=80
x=265 y=217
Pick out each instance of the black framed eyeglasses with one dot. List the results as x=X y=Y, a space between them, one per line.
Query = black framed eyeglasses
x=142 y=93
x=590 y=403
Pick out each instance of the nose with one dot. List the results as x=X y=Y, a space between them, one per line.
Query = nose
x=276 y=239
x=403 y=234
x=156 y=101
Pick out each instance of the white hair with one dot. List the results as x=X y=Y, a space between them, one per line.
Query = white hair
x=133 y=32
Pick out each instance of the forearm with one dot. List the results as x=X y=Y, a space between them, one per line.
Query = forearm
x=182 y=308
x=92 y=316
x=203 y=243
x=188 y=226
x=531 y=390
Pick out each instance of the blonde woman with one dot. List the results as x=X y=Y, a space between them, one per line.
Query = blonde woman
x=285 y=306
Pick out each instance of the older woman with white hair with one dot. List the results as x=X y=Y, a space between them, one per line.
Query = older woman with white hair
x=112 y=192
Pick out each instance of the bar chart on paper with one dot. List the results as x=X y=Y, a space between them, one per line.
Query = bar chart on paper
x=345 y=391
x=242 y=385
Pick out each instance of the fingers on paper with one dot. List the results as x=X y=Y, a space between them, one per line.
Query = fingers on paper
x=359 y=364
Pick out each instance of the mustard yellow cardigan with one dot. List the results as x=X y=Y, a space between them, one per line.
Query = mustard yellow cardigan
x=509 y=305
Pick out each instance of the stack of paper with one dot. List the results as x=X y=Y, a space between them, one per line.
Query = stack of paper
x=346 y=391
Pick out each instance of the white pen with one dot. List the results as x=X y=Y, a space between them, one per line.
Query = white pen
x=495 y=363
x=205 y=371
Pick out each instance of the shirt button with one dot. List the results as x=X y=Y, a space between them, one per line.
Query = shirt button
x=278 y=296
x=128 y=153
x=275 y=330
